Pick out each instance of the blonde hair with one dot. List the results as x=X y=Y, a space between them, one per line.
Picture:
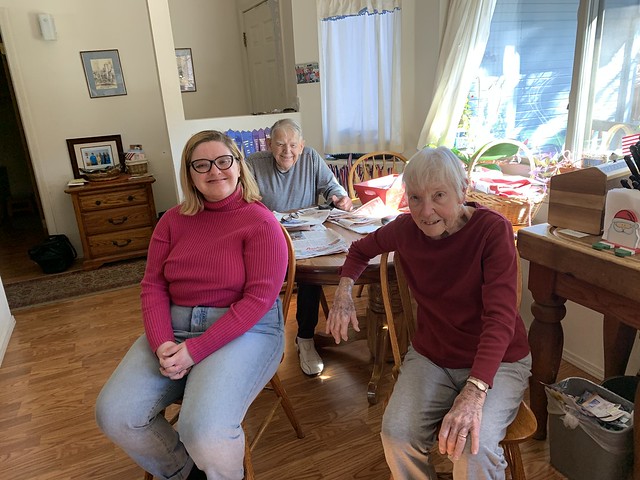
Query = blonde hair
x=435 y=165
x=193 y=199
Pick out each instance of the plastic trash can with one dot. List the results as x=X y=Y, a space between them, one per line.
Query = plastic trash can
x=581 y=448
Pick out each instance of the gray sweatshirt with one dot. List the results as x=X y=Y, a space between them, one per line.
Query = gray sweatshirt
x=298 y=188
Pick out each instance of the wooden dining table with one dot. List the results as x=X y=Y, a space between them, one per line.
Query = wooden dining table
x=325 y=270
x=564 y=267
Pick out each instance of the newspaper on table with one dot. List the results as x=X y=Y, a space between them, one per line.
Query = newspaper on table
x=365 y=219
x=317 y=242
x=304 y=219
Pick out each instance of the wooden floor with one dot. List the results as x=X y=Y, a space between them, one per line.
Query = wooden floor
x=61 y=354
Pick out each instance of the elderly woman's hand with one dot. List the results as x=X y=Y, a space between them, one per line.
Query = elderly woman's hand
x=463 y=420
x=342 y=312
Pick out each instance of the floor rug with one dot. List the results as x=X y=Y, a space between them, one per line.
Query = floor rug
x=61 y=286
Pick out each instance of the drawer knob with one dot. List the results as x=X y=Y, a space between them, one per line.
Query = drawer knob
x=119 y=221
x=131 y=198
x=98 y=202
x=123 y=244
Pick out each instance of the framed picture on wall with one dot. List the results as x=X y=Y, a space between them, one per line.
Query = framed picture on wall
x=93 y=154
x=185 y=70
x=103 y=72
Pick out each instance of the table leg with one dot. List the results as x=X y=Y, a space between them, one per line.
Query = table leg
x=618 y=340
x=546 y=339
x=378 y=339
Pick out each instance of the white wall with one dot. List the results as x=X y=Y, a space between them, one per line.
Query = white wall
x=212 y=32
x=7 y=322
x=54 y=101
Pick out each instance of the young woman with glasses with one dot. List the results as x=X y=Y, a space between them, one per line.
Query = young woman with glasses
x=213 y=323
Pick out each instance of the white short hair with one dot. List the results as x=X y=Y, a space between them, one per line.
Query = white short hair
x=435 y=165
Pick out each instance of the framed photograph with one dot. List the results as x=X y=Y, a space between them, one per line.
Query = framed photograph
x=95 y=153
x=185 y=70
x=307 y=73
x=103 y=73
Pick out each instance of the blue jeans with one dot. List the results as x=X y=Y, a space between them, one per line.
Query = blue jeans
x=423 y=395
x=216 y=395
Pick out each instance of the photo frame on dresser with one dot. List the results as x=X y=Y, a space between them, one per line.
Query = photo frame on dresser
x=95 y=154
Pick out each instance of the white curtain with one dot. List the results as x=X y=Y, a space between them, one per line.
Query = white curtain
x=465 y=39
x=360 y=75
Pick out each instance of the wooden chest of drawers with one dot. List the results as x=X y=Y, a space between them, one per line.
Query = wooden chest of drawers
x=115 y=219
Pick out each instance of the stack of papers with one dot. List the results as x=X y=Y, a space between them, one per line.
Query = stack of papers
x=363 y=220
x=591 y=405
x=304 y=219
x=605 y=411
x=76 y=182
x=317 y=242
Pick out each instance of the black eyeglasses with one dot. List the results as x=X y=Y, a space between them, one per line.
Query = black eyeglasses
x=203 y=165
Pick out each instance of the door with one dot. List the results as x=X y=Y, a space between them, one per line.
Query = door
x=22 y=222
x=263 y=46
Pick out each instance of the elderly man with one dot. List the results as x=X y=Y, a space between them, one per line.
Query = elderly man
x=291 y=176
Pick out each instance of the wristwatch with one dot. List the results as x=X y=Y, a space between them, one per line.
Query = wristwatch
x=479 y=384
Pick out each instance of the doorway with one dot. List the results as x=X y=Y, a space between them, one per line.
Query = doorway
x=267 y=30
x=22 y=223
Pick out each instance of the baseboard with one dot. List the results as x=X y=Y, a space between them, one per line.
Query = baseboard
x=582 y=364
x=6 y=336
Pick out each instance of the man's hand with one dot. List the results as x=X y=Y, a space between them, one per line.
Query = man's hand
x=343 y=203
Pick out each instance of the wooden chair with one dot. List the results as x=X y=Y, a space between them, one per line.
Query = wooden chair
x=374 y=165
x=520 y=429
x=275 y=385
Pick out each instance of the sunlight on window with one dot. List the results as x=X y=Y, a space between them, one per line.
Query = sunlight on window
x=522 y=90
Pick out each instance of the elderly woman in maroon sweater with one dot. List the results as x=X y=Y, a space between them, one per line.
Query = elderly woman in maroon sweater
x=213 y=323
x=468 y=364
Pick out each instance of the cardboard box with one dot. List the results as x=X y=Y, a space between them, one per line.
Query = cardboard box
x=389 y=188
x=577 y=199
x=587 y=451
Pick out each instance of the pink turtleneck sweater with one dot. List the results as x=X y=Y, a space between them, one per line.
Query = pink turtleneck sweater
x=231 y=254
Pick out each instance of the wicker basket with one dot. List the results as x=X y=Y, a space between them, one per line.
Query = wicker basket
x=102 y=175
x=136 y=167
x=517 y=210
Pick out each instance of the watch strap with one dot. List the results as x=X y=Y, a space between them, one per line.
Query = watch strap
x=479 y=384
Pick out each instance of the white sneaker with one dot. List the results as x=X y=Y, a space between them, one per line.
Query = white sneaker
x=310 y=361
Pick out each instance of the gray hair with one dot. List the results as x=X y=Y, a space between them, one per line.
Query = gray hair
x=287 y=124
x=435 y=165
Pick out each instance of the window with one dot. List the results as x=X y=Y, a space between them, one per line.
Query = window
x=607 y=93
x=522 y=88
x=530 y=88
x=360 y=76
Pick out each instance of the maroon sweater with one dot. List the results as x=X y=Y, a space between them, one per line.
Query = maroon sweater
x=464 y=285
x=231 y=254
